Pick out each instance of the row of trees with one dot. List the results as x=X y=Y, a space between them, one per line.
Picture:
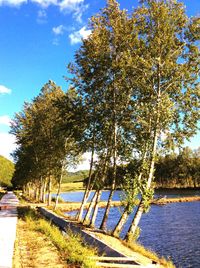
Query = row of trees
x=45 y=142
x=134 y=91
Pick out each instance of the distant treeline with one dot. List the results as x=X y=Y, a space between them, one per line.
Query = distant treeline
x=178 y=170
x=173 y=170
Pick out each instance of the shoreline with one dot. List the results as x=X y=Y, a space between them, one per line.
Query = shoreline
x=70 y=206
x=163 y=201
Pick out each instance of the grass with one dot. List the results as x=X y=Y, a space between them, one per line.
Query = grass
x=33 y=249
x=2 y=192
x=70 y=246
x=72 y=186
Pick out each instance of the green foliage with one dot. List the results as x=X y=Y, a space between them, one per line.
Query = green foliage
x=178 y=170
x=6 y=171
x=46 y=140
x=147 y=196
x=130 y=191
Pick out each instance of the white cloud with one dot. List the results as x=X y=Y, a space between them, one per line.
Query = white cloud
x=7 y=144
x=85 y=163
x=45 y=3
x=55 y=42
x=78 y=13
x=5 y=120
x=3 y=89
x=77 y=36
x=59 y=30
x=76 y=7
x=15 y=3
x=42 y=16
x=69 y=5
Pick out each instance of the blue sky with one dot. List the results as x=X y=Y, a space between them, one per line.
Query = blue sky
x=38 y=38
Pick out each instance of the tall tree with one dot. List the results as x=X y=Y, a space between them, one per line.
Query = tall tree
x=170 y=63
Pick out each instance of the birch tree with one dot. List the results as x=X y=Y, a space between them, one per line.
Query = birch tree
x=170 y=64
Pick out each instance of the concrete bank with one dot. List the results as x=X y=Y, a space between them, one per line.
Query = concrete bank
x=8 y=222
x=90 y=239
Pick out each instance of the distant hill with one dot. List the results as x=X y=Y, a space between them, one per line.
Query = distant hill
x=76 y=176
x=6 y=171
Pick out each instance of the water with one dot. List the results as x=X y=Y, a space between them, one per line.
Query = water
x=78 y=196
x=172 y=230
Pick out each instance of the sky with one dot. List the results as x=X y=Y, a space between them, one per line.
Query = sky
x=38 y=38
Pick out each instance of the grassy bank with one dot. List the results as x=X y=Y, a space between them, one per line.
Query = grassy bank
x=140 y=254
x=69 y=251
x=163 y=201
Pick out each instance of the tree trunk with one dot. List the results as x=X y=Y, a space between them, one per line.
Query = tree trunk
x=41 y=192
x=126 y=212
x=140 y=208
x=49 y=191
x=121 y=222
x=91 y=206
x=59 y=187
x=95 y=198
x=38 y=193
x=44 y=192
x=105 y=217
x=92 y=222
x=87 y=190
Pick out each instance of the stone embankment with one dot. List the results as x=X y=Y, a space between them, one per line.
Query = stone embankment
x=110 y=257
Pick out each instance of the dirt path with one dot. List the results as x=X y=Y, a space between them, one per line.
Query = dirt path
x=34 y=250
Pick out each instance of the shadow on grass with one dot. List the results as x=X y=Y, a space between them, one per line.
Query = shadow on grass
x=24 y=212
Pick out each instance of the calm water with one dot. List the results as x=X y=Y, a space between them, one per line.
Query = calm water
x=171 y=230
x=78 y=196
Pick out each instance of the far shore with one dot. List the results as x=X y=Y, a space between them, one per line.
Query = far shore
x=69 y=206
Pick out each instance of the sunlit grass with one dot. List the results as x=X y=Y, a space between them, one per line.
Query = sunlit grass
x=70 y=246
x=72 y=186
